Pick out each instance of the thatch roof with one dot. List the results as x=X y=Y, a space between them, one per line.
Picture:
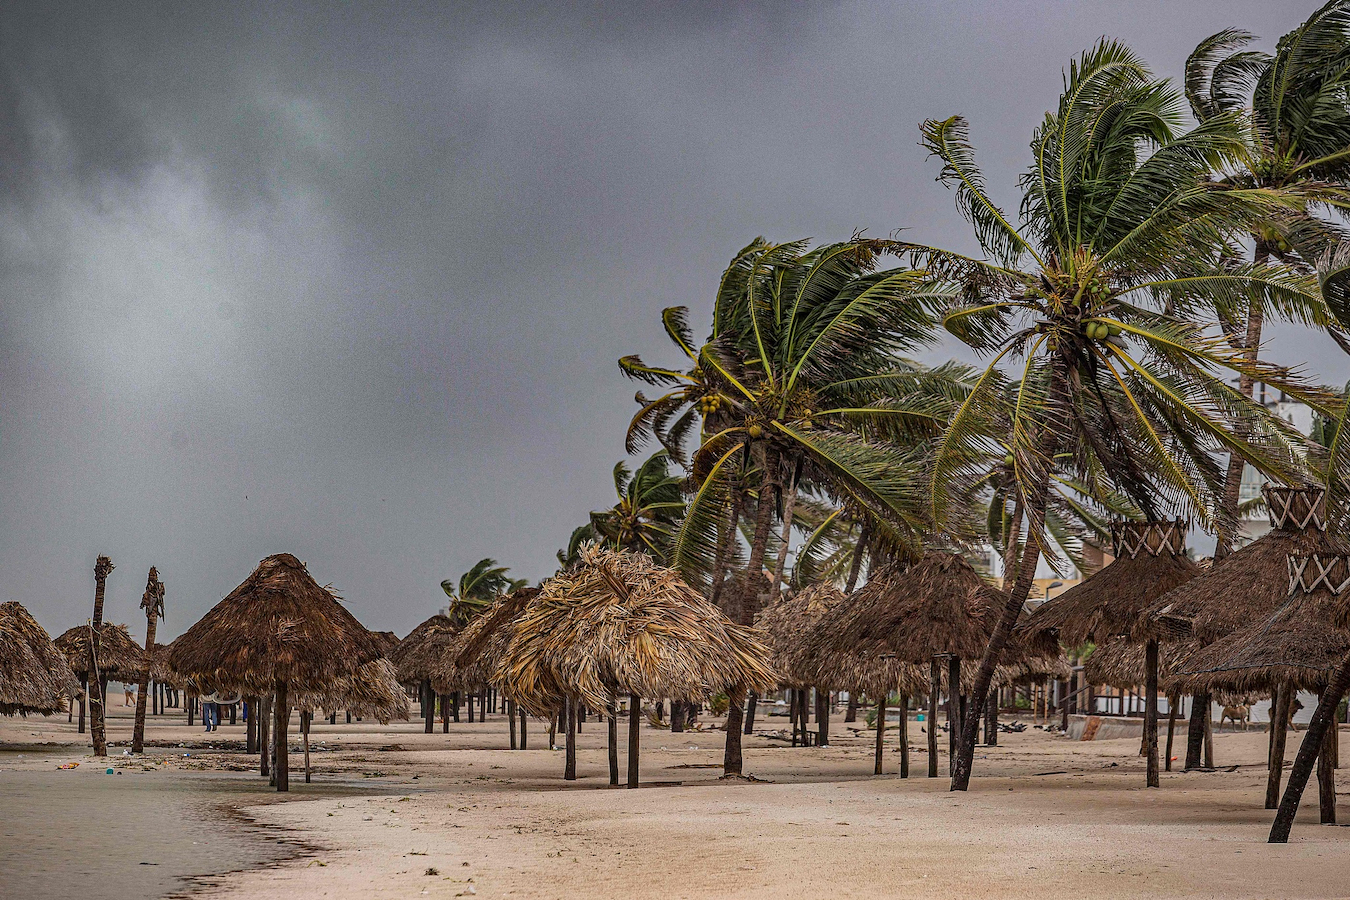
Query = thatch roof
x=620 y=622
x=884 y=637
x=279 y=626
x=481 y=645
x=1296 y=643
x=371 y=692
x=34 y=674
x=1120 y=664
x=1249 y=584
x=159 y=666
x=1150 y=561
x=120 y=658
x=417 y=654
x=789 y=624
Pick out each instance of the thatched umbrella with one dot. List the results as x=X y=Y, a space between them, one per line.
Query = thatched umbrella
x=905 y=619
x=1108 y=607
x=620 y=623
x=418 y=654
x=789 y=624
x=1245 y=587
x=34 y=674
x=120 y=658
x=387 y=641
x=482 y=646
x=278 y=633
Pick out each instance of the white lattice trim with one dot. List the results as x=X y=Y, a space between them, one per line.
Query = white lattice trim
x=1296 y=508
x=1319 y=571
x=1153 y=538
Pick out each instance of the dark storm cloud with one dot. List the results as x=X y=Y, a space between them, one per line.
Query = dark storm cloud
x=350 y=281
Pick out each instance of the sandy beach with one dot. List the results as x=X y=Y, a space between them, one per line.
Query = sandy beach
x=394 y=812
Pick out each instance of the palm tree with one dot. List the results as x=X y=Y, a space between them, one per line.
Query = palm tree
x=477 y=588
x=570 y=556
x=97 y=690
x=1296 y=115
x=805 y=367
x=1120 y=237
x=651 y=503
x=153 y=604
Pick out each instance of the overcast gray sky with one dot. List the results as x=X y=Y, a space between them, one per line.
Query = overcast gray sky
x=350 y=281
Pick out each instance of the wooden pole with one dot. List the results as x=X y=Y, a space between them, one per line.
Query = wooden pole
x=1279 y=729
x=428 y=707
x=634 y=724
x=613 y=739
x=935 y=674
x=522 y=728
x=84 y=700
x=1173 y=701
x=570 y=764
x=264 y=738
x=251 y=725
x=1209 y=738
x=444 y=701
x=304 y=728
x=991 y=718
x=881 y=736
x=283 y=715
x=1153 y=778
x=511 y=720
x=953 y=710
x=823 y=717
x=904 y=735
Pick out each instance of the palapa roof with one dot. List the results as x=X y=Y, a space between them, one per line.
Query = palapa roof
x=417 y=655
x=34 y=674
x=620 y=622
x=1301 y=642
x=279 y=625
x=371 y=692
x=884 y=637
x=481 y=644
x=1150 y=561
x=1120 y=664
x=789 y=624
x=387 y=641
x=120 y=658
x=1250 y=583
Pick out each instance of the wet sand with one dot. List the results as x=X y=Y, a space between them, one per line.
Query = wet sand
x=458 y=815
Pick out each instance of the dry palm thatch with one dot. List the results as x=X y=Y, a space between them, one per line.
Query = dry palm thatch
x=886 y=635
x=1150 y=561
x=481 y=644
x=387 y=641
x=371 y=692
x=120 y=657
x=1296 y=644
x=1120 y=665
x=159 y=666
x=789 y=624
x=620 y=623
x=417 y=655
x=1251 y=583
x=277 y=628
x=34 y=674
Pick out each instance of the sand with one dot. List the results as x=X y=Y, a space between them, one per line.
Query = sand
x=397 y=813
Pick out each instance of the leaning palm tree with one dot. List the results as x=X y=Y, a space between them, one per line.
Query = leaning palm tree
x=1121 y=241
x=651 y=503
x=153 y=604
x=1295 y=108
x=477 y=588
x=98 y=699
x=808 y=384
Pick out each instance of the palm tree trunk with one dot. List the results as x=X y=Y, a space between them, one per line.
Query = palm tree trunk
x=881 y=736
x=283 y=717
x=725 y=539
x=570 y=764
x=851 y=713
x=1154 y=777
x=935 y=675
x=613 y=739
x=1326 y=777
x=731 y=759
x=1323 y=719
x=634 y=731
x=679 y=712
x=1279 y=730
x=143 y=688
x=98 y=699
x=859 y=551
x=904 y=735
x=1232 y=482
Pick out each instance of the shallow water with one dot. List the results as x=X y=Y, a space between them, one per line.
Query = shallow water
x=83 y=833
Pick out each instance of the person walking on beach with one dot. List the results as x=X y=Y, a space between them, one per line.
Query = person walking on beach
x=128 y=695
x=210 y=712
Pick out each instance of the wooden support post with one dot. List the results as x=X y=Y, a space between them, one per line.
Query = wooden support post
x=1279 y=729
x=264 y=738
x=1173 y=701
x=305 y=718
x=1326 y=779
x=570 y=766
x=823 y=717
x=991 y=718
x=511 y=720
x=634 y=724
x=251 y=725
x=935 y=674
x=613 y=739
x=1153 y=777
x=283 y=715
x=904 y=735
x=881 y=736
x=953 y=710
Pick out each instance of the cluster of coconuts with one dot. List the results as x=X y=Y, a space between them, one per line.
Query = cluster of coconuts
x=1100 y=331
x=709 y=404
